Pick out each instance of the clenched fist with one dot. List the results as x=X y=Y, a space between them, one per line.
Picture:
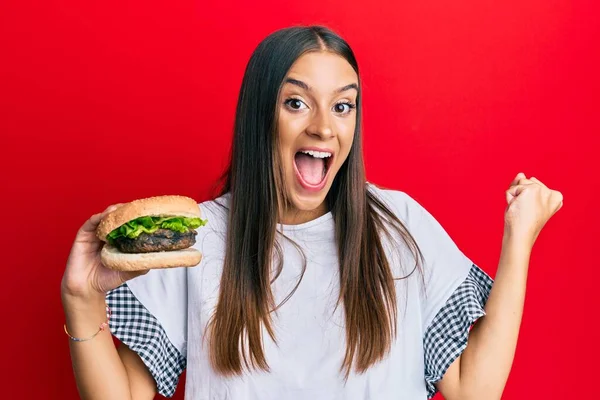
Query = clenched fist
x=530 y=204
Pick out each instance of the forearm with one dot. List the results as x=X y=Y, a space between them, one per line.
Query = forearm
x=99 y=371
x=486 y=362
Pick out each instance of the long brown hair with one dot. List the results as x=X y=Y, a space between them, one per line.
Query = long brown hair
x=254 y=183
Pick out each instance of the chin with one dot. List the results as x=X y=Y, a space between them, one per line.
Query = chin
x=308 y=202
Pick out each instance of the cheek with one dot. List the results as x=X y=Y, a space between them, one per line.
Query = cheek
x=346 y=137
x=287 y=138
x=287 y=129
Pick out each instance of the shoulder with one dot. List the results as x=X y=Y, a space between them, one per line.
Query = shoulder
x=405 y=207
x=215 y=212
x=211 y=238
x=423 y=226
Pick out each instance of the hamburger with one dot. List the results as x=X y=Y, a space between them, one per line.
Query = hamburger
x=150 y=233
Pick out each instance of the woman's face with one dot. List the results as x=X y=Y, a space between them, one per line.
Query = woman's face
x=317 y=117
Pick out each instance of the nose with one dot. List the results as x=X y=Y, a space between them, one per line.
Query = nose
x=320 y=126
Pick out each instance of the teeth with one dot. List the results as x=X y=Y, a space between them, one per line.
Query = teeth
x=317 y=154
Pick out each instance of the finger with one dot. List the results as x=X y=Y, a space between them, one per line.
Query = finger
x=128 y=275
x=557 y=198
x=510 y=194
x=111 y=208
x=514 y=191
x=519 y=176
x=534 y=179
x=91 y=224
x=525 y=181
x=509 y=197
x=559 y=195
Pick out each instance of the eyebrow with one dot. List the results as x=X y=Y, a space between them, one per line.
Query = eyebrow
x=308 y=88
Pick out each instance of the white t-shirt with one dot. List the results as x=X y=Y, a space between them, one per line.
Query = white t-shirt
x=163 y=316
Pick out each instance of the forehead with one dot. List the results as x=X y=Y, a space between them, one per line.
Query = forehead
x=323 y=71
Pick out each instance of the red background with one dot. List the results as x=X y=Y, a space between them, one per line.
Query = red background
x=107 y=102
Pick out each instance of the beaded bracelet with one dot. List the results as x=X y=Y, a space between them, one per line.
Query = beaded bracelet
x=102 y=327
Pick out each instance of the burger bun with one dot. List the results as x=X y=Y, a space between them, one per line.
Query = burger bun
x=114 y=259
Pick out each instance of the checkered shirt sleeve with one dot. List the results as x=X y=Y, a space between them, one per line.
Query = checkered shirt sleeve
x=134 y=326
x=446 y=337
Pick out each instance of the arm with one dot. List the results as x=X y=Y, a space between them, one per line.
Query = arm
x=482 y=370
x=102 y=372
x=141 y=383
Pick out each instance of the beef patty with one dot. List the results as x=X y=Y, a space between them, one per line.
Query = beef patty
x=161 y=240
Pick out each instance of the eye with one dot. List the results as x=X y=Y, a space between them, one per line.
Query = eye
x=344 y=108
x=295 y=104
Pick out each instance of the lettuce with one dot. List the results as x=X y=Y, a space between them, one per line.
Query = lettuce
x=136 y=227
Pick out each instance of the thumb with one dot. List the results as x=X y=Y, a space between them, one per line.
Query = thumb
x=516 y=190
x=513 y=192
x=128 y=275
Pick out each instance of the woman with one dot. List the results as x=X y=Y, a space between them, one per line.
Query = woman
x=314 y=284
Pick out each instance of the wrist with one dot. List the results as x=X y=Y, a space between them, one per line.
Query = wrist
x=78 y=303
x=79 y=293
x=516 y=246
x=84 y=316
x=520 y=238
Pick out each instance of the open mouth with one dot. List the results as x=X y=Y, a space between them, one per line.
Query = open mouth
x=312 y=166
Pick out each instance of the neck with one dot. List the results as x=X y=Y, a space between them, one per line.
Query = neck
x=293 y=216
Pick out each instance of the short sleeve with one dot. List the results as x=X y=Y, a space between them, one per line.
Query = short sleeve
x=454 y=295
x=149 y=315
x=445 y=266
x=455 y=289
x=447 y=335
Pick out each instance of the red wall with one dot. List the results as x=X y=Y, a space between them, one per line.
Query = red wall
x=107 y=102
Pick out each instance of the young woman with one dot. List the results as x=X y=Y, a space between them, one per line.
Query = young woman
x=314 y=283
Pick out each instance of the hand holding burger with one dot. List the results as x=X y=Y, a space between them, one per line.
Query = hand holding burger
x=145 y=234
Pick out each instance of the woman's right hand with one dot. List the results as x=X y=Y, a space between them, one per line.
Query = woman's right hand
x=85 y=278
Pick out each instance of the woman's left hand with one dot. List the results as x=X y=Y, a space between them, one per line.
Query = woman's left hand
x=530 y=205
